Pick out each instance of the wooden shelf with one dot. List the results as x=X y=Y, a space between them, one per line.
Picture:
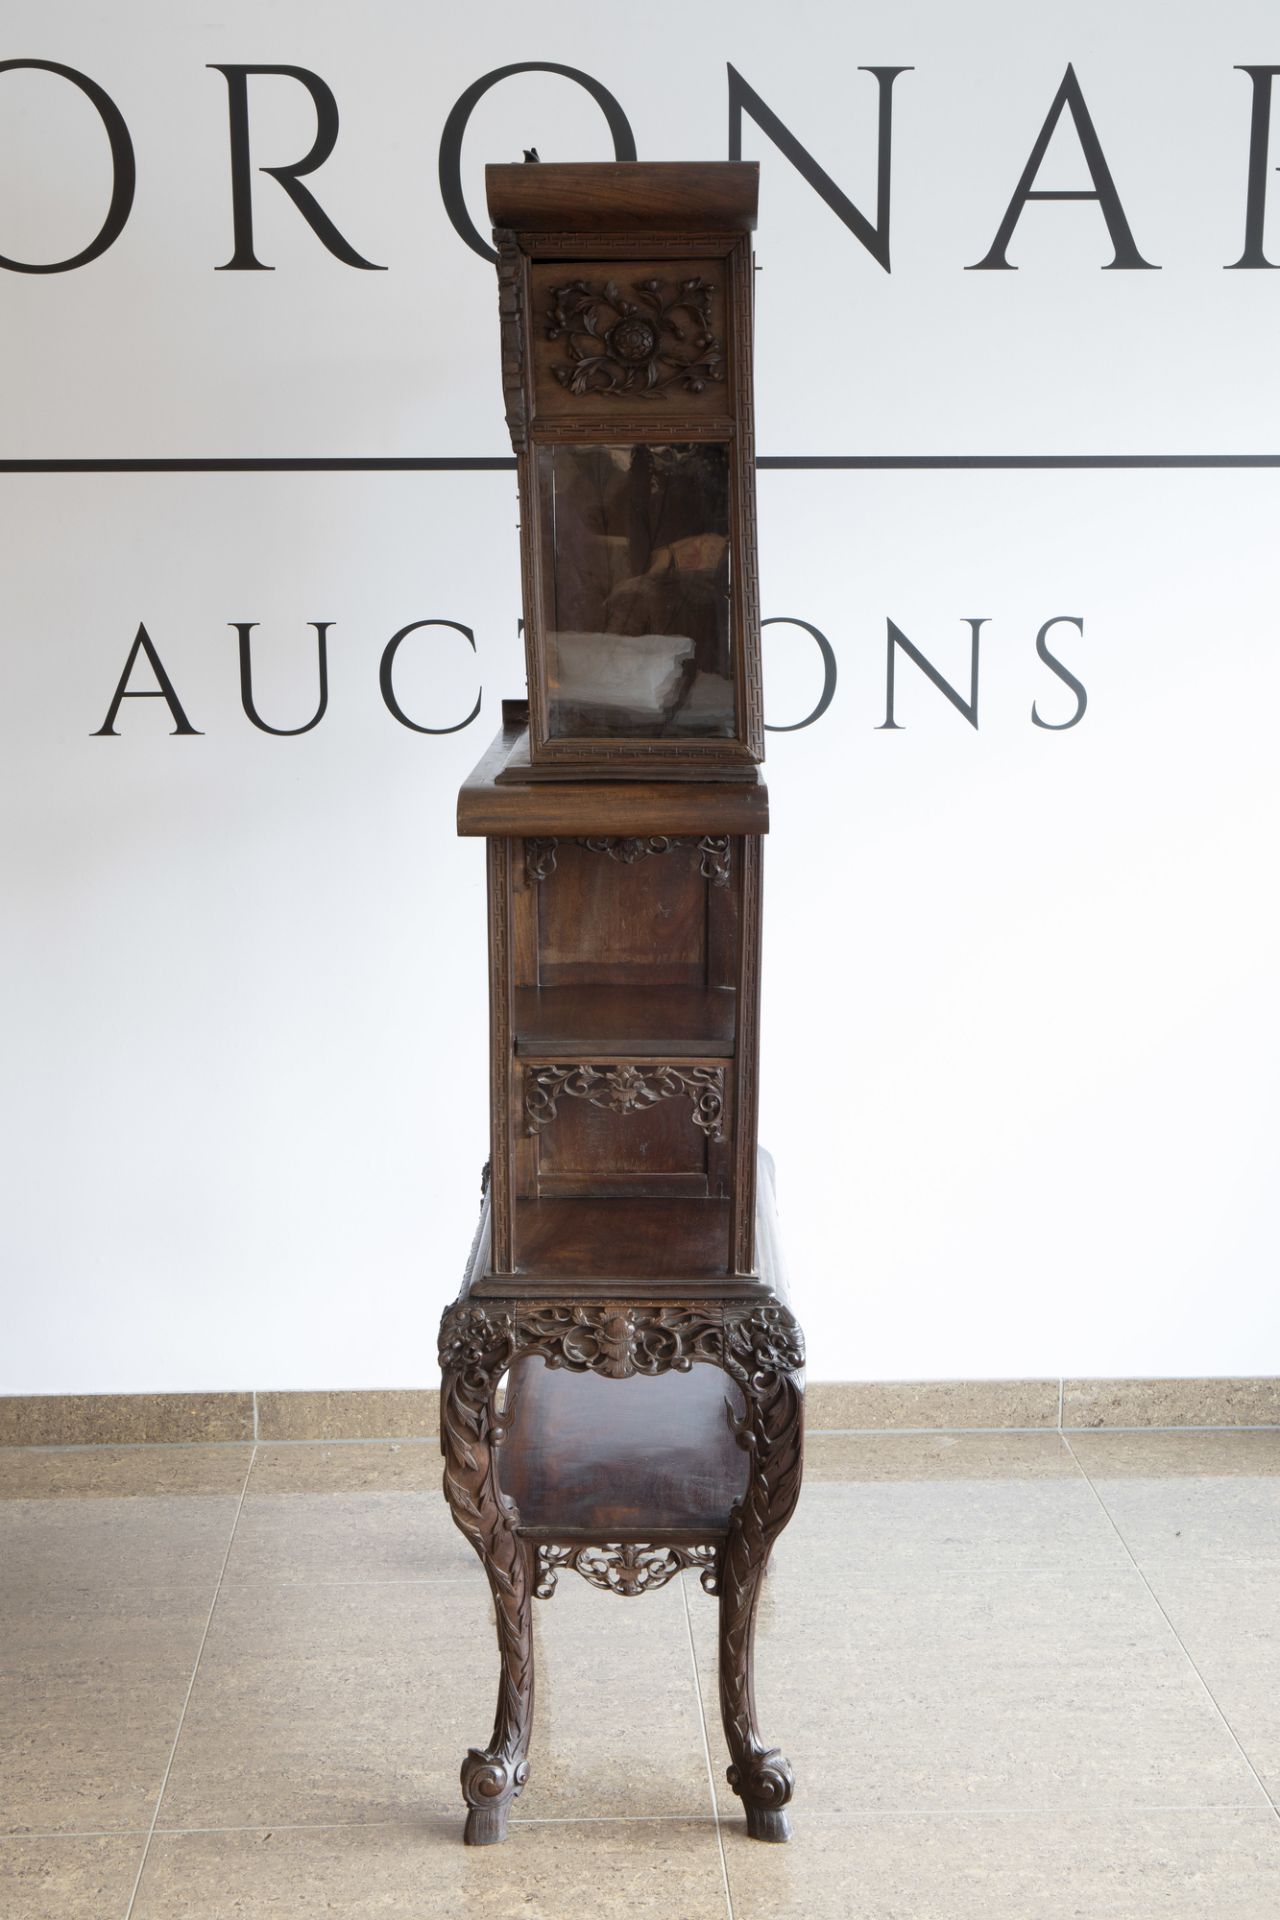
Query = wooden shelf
x=585 y=1455
x=595 y=1023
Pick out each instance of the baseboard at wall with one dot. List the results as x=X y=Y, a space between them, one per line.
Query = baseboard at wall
x=1073 y=1405
x=133 y=1419
x=139 y=1419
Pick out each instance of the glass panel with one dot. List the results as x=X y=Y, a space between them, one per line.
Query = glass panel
x=636 y=556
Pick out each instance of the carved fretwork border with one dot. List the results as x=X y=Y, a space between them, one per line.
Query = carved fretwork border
x=625 y=1568
x=752 y=1340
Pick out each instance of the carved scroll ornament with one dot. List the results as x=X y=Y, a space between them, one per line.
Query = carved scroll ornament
x=624 y=1090
x=713 y=850
x=479 y=1342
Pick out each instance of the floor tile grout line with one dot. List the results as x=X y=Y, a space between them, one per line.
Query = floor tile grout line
x=706 y=1746
x=186 y=1701
x=255 y=1416
x=1177 y=1637
x=449 y=1821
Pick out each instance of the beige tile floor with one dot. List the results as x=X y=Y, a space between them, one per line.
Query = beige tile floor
x=1018 y=1674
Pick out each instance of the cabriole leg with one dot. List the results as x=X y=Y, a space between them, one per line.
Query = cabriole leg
x=763 y=1357
x=475 y=1350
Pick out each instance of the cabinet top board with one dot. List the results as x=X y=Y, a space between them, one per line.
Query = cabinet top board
x=617 y=196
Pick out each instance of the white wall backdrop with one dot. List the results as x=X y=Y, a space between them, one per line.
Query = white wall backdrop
x=244 y=992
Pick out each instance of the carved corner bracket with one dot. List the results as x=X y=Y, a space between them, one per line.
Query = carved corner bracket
x=627 y=1569
x=625 y=1089
x=539 y=859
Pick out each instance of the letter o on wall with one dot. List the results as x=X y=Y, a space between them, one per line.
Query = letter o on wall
x=624 y=141
x=827 y=651
x=124 y=173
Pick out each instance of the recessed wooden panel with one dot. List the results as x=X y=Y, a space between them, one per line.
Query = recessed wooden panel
x=601 y=920
x=586 y=1150
x=616 y=1240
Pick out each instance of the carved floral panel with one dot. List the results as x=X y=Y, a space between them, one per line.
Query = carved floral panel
x=630 y=336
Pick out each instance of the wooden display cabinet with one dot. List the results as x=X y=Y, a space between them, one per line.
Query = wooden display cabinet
x=626 y=298
x=623 y=1327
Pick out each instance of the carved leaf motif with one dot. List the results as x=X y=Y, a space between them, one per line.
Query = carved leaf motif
x=634 y=338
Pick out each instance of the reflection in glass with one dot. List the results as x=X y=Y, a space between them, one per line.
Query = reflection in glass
x=636 y=551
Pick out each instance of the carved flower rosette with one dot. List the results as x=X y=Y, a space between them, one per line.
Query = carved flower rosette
x=636 y=346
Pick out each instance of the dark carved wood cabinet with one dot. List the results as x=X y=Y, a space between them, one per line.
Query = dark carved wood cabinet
x=623 y=1329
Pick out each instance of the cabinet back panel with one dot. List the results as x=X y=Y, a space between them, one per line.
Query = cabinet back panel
x=604 y=920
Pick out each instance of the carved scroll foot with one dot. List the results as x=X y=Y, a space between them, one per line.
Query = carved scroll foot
x=764 y=1786
x=488 y=1787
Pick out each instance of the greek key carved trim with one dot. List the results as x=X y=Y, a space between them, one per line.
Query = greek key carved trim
x=625 y=1089
x=625 y=1569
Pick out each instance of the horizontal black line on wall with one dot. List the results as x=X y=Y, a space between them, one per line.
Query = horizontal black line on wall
x=770 y=462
